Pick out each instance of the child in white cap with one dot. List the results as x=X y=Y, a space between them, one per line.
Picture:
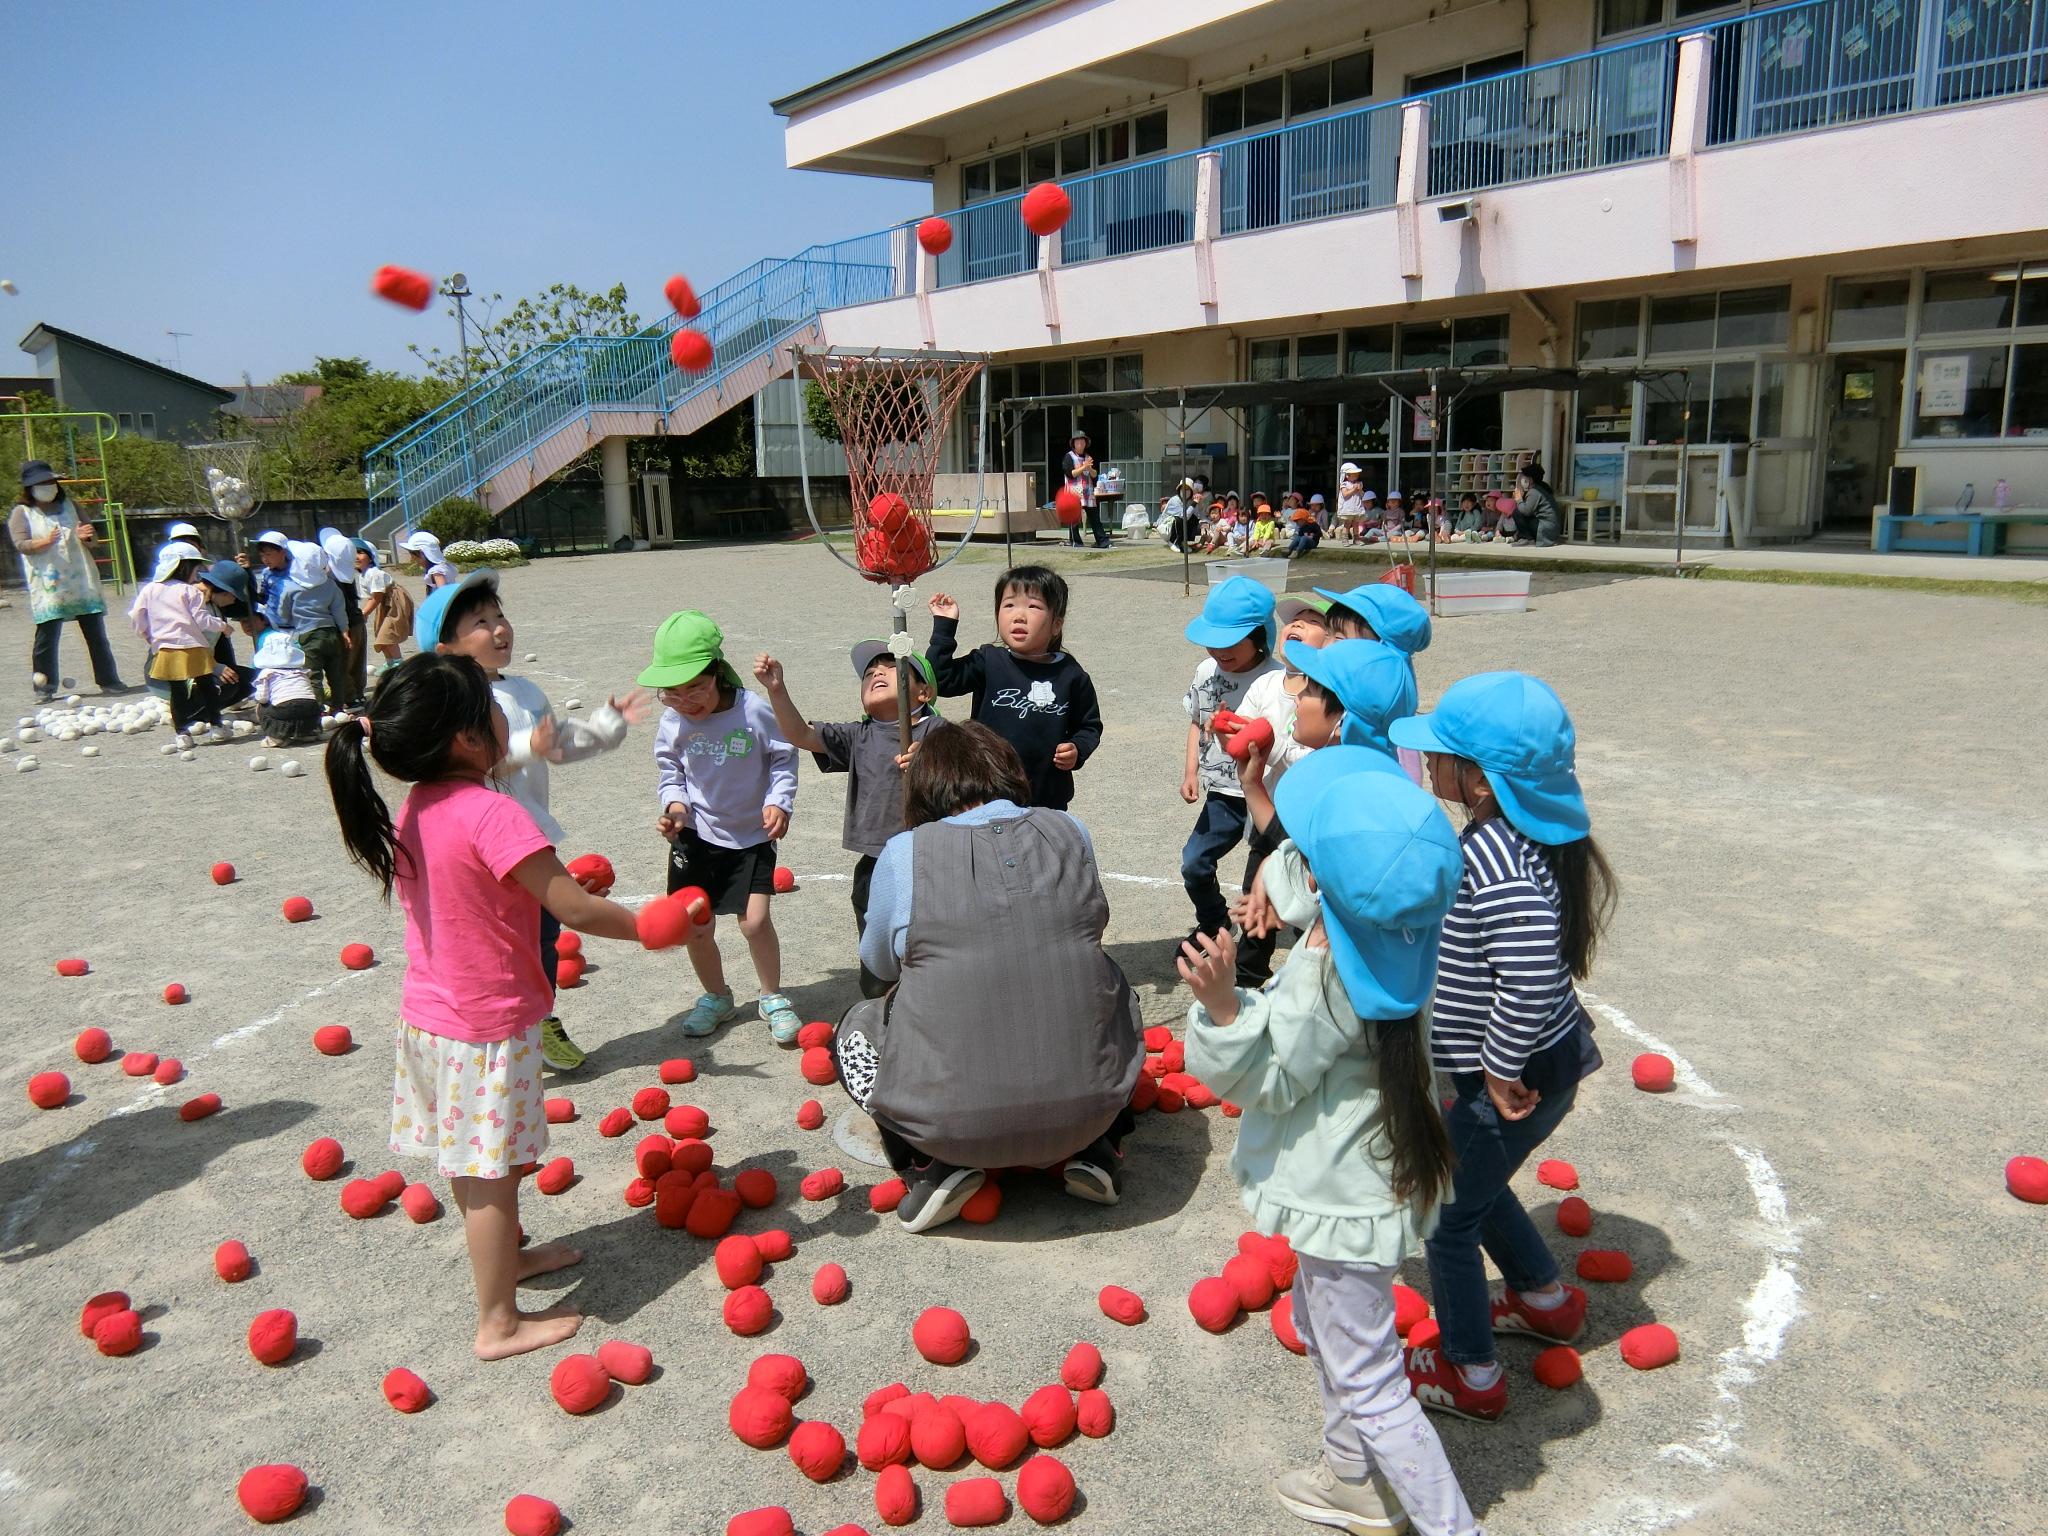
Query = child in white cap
x=286 y=704
x=426 y=552
x=177 y=621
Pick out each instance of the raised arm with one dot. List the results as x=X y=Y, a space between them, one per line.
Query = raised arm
x=796 y=730
x=953 y=675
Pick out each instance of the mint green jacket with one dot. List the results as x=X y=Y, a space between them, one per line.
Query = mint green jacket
x=1309 y=1158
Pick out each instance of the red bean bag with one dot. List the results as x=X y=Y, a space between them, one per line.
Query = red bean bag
x=983 y=1205
x=738 y=1262
x=47 y=1090
x=1144 y=1095
x=683 y=299
x=817 y=1066
x=1410 y=1308
x=628 y=1364
x=938 y=1438
x=1094 y=1414
x=686 y=1121
x=1120 y=1305
x=139 y=1063
x=1082 y=1368
x=1574 y=1216
x=678 y=1069
x=1157 y=1036
x=420 y=1203
x=93 y=1045
x=756 y=1188
x=941 y=1335
x=976 y=1501
x=1558 y=1366
x=223 y=873
x=818 y=1450
x=1652 y=1073
x=829 y=1285
x=690 y=1156
x=653 y=1156
x=810 y=1115
x=1649 y=1346
x=748 y=1310
x=333 y=1040
x=1213 y=1303
x=884 y=1440
x=168 y=1071
x=690 y=350
x=1169 y=1102
x=712 y=1213
x=100 y=1307
x=322 y=1158
x=559 y=1111
x=823 y=1184
x=72 y=966
x=199 y=1108
x=896 y=1498
x=2026 y=1178
x=231 y=1261
x=1425 y=1334
x=363 y=1198
x=118 y=1333
x=1248 y=1276
x=817 y=1032
x=1557 y=1174
x=1048 y=1416
x=996 y=1435
x=887 y=1195
x=557 y=1176
x=1283 y=1326
x=528 y=1514
x=271 y=1493
x=176 y=993
x=639 y=1193
x=405 y=1391
x=880 y=1398
x=772 y=1521
x=297 y=909
x=1608 y=1264
x=783 y=1375
x=579 y=1383
x=650 y=1103
x=273 y=1335
x=934 y=235
x=1045 y=1489
x=358 y=957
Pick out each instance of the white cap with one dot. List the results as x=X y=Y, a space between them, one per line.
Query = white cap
x=182 y=531
x=1369 y=495
x=1349 y=468
x=423 y=542
x=274 y=539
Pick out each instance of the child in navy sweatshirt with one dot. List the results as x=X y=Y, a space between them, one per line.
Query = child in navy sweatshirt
x=1027 y=690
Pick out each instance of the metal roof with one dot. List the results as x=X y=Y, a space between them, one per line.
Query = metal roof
x=43 y=329
x=909 y=53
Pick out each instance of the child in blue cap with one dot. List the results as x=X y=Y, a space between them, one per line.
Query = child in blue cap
x=1340 y=1148
x=1236 y=627
x=1508 y=1028
x=1378 y=610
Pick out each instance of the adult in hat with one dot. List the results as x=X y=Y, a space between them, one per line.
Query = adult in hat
x=63 y=583
x=1011 y=1038
x=1078 y=469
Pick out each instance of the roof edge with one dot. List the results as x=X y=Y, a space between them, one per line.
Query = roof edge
x=923 y=47
x=61 y=334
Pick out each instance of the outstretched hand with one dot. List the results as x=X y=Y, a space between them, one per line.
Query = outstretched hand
x=637 y=707
x=768 y=672
x=943 y=607
x=1208 y=964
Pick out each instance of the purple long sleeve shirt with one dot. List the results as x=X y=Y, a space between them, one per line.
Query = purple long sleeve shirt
x=726 y=769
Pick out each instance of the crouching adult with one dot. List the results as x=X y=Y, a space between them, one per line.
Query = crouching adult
x=1009 y=1038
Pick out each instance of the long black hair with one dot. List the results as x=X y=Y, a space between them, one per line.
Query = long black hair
x=418 y=710
x=1416 y=1145
x=1586 y=895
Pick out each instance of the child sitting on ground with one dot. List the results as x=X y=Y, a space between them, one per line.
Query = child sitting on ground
x=1235 y=626
x=1340 y=1150
x=466 y=618
x=1027 y=690
x=473 y=874
x=869 y=751
x=286 y=706
x=1265 y=532
x=728 y=785
x=1507 y=1027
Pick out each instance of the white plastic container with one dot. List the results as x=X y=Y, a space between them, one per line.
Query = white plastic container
x=1462 y=592
x=1268 y=573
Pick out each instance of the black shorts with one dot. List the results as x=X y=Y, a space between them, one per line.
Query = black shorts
x=727 y=875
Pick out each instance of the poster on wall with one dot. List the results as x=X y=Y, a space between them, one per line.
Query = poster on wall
x=1944 y=385
x=1425 y=423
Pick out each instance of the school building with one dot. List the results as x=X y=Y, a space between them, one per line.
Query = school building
x=1831 y=215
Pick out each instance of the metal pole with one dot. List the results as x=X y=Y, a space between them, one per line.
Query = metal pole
x=1187 y=563
x=1436 y=432
x=1678 y=502
x=1009 y=453
x=462 y=337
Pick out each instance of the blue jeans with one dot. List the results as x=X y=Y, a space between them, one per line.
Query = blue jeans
x=1484 y=1210
x=1218 y=829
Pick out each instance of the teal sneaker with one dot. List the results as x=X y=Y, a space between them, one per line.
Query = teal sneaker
x=710 y=1011
x=781 y=1015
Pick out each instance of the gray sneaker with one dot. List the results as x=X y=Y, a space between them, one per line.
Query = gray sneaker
x=710 y=1011
x=1367 y=1507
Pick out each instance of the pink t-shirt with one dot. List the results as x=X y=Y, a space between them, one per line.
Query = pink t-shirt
x=472 y=935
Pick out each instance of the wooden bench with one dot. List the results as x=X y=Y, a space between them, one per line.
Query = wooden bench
x=1983 y=532
x=740 y=518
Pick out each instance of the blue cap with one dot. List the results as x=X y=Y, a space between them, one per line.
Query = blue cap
x=1387 y=867
x=1515 y=727
x=1374 y=682
x=229 y=577
x=1233 y=610
x=1394 y=616
x=426 y=621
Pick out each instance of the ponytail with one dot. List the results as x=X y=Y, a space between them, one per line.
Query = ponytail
x=1586 y=895
x=419 y=709
x=366 y=829
x=1414 y=1142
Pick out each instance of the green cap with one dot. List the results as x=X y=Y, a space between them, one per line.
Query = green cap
x=684 y=646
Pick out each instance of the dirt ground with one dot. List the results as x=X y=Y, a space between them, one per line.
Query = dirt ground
x=1823 y=805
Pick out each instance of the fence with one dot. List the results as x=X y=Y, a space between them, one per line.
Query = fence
x=1337 y=165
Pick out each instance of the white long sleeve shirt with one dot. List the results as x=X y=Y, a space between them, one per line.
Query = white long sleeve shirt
x=524 y=775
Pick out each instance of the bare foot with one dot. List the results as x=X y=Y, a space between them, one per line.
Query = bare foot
x=531 y=1331
x=544 y=1258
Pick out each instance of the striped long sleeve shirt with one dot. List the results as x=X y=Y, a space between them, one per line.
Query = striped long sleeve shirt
x=1502 y=989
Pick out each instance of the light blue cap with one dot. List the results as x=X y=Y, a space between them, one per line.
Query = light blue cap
x=1374 y=682
x=1234 y=609
x=1394 y=616
x=433 y=608
x=1515 y=727
x=1387 y=867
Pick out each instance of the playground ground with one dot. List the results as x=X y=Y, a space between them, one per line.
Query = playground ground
x=1823 y=805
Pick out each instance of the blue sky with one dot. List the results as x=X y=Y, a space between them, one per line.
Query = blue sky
x=238 y=170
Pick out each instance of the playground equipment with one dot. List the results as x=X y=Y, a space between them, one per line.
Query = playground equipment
x=74 y=443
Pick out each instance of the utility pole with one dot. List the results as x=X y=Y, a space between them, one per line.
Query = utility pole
x=457 y=288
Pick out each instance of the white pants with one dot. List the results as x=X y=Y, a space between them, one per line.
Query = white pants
x=1371 y=1421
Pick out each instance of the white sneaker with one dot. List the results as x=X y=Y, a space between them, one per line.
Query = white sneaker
x=184 y=741
x=220 y=733
x=1364 y=1508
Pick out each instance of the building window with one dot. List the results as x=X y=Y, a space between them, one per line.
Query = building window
x=1980 y=357
x=146 y=424
x=1464 y=74
x=1718 y=335
x=124 y=422
x=1299 y=93
x=1868 y=309
x=1070 y=154
x=1622 y=16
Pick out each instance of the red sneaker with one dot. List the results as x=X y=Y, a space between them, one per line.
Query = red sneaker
x=1441 y=1387
x=1561 y=1324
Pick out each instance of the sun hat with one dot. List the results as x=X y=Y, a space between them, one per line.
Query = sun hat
x=367 y=548
x=36 y=472
x=1515 y=727
x=277 y=648
x=1317 y=500
x=1368 y=494
x=1394 y=616
x=1373 y=681
x=173 y=555
x=865 y=653
x=226 y=576
x=182 y=531
x=432 y=612
x=686 y=644
x=341 y=554
x=1288 y=609
x=1395 y=496
x=1234 y=609
x=422 y=542
x=1387 y=867
x=274 y=539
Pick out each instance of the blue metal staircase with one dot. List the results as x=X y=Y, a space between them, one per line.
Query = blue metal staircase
x=518 y=424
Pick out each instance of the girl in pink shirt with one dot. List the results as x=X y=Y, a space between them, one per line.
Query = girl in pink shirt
x=472 y=871
x=177 y=621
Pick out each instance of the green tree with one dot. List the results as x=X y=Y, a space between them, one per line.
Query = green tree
x=141 y=471
x=319 y=450
x=561 y=311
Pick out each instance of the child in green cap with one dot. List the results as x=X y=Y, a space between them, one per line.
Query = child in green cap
x=868 y=751
x=728 y=785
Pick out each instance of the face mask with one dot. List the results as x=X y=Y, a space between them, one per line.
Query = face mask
x=46 y=494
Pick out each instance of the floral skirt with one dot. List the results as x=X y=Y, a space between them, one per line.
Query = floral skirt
x=475 y=1106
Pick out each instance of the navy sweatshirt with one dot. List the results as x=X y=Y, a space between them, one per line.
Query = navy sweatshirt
x=1033 y=705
